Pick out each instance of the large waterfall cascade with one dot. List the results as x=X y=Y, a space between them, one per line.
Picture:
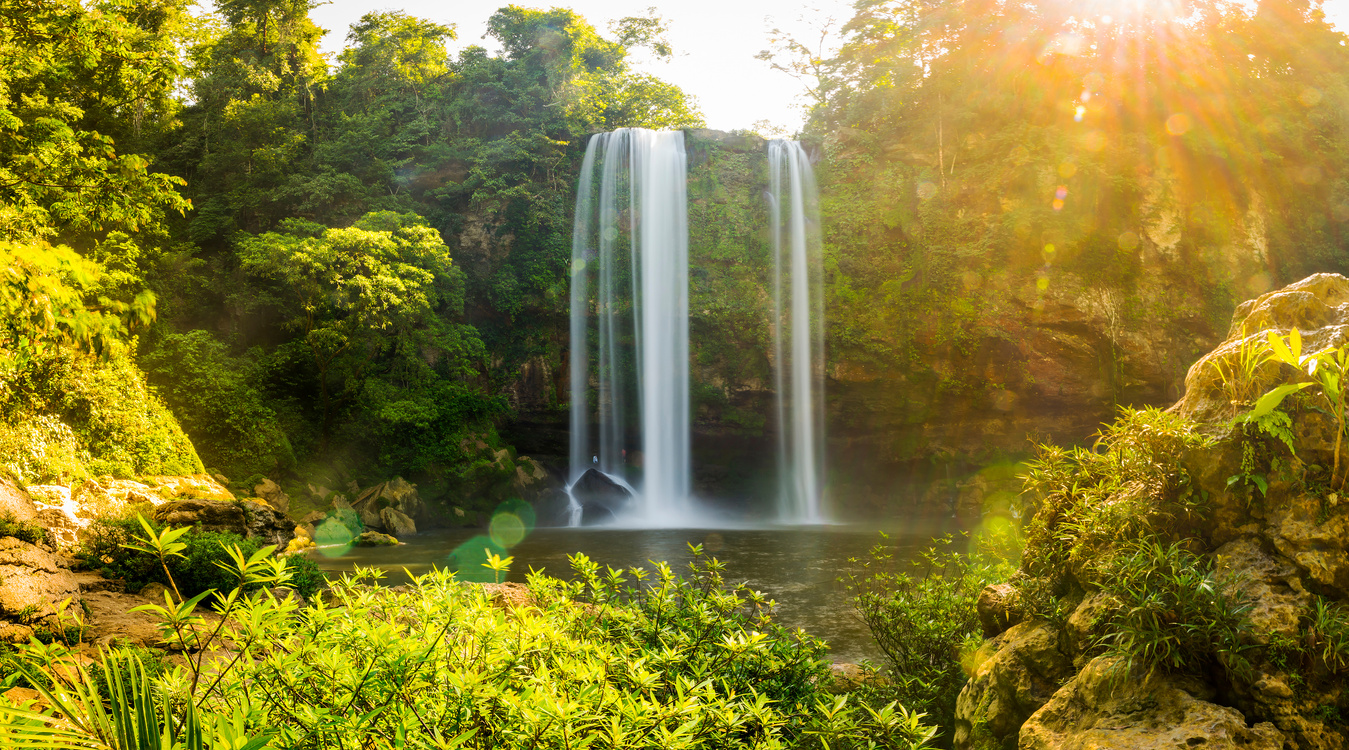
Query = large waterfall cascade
x=798 y=332
x=630 y=250
x=629 y=315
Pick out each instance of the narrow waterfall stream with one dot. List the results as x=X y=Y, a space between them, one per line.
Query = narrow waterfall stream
x=798 y=332
x=630 y=256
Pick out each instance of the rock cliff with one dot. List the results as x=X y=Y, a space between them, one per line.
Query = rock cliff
x=1187 y=582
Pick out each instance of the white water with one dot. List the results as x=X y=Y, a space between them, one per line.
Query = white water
x=798 y=332
x=630 y=254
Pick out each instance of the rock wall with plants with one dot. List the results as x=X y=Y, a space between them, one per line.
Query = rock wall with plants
x=1186 y=579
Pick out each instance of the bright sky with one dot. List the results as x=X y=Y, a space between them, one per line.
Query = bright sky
x=715 y=42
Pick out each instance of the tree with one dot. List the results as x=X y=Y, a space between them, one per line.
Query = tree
x=72 y=77
x=358 y=295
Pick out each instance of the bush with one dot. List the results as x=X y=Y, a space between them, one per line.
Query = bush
x=923 y=617
x=24 y=532
x=1173 y=613
x=615 y=659
x=67 y=415
x=198 y=569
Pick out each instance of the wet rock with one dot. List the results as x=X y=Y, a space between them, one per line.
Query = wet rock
x=999 y=608
x=396 y=523
x=1103 y=708
x=600 y=497
x=1013 y=675
x=374 y=539
x=267 y=524
x=553 y=508
x=35 y=582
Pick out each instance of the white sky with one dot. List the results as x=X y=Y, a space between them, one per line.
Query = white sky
x=715 y=43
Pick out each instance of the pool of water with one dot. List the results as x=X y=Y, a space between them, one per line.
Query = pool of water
x=798 y=567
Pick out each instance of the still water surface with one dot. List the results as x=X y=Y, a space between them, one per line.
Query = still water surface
x=798 y=567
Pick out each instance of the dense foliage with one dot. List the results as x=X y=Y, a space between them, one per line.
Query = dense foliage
x=654 y=660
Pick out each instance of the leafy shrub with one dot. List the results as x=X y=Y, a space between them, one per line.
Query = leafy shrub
x=196 y=571
x=1131 y=484
x=923 y=617
x=1174 y=614
x=1122 y=519
x=24 y=532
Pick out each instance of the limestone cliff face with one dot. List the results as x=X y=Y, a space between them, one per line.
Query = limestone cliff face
x=1050 y=357
x=1272 y=526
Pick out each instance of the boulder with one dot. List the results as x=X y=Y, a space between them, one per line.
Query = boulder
x=396 y=523
x=211 y=515
x=1013 y=675
x=271 y=492
x=601 y=498
x=552 y=508
x=1312 y=305
x=374 y=539
x=249 y=519
x=15 y=504
x=33 y=582
x=267 y=524
x=998 y=608
x=1104 y=708
x=396 y=493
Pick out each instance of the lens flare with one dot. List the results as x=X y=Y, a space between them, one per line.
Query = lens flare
x=333 y=538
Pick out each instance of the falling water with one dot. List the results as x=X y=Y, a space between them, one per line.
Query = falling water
x=798 y=332
x=629 y=306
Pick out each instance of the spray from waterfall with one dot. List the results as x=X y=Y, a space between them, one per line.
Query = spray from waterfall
x=798 y=332
x=629 y=307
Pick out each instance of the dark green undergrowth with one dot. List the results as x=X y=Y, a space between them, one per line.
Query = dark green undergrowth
x=198 y=569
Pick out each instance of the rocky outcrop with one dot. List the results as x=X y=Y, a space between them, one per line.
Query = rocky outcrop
x=15 y=504
x=1014 y=674
x=601 y=498
x=397 y=494
x=249 y=519
x=1102 y=707
x=1279 y=546
x=272 y=493
x=67 y=512
x=33 y=583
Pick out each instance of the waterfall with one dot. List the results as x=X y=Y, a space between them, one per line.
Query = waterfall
x=798 y=332
x=629 y=306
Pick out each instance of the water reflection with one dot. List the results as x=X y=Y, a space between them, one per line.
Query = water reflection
x=798 y=567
